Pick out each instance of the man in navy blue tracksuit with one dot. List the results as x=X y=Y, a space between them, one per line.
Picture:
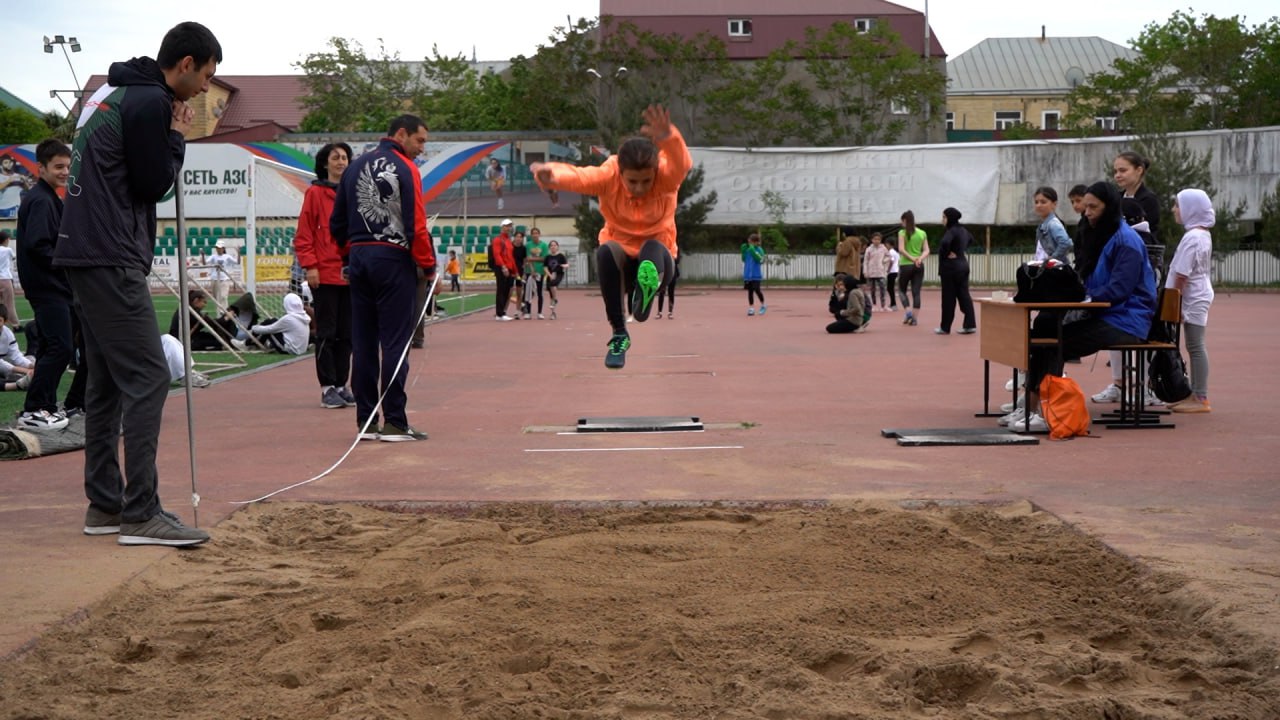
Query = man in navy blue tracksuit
x=380 y=224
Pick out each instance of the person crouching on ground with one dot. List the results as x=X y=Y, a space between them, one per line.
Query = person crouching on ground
x=637 y=189
x=291 y=333
x=849 y=319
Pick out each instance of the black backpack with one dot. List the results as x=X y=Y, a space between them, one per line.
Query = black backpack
x=1167 y=373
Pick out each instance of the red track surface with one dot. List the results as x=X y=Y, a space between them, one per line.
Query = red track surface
x=805 y=407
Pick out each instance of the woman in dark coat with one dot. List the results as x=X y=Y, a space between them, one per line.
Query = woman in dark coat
x=953 y=269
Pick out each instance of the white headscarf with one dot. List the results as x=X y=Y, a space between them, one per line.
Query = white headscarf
x=293 y=305
x=1196 y=208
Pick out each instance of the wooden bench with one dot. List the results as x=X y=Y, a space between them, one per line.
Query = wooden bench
x=1133 y=413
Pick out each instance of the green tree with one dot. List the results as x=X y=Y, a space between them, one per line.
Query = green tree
x=348 y=91
x=1191 y=73
x=754 y=103
x=857 y=78
x=773 y=237
x=692 y=210
x=19 y=127
x=62 y=127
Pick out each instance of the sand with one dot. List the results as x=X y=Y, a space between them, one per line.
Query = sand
x=858 y=610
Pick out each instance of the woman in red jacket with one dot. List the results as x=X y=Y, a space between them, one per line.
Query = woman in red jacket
x=318 y=255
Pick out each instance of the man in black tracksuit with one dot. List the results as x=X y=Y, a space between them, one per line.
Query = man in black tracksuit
x=48 y=292
x=128 y=152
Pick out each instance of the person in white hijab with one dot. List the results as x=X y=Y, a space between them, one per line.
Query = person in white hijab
x=1189 y=272
x=291 y=333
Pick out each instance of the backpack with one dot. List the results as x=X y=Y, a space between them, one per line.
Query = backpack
x=1063 y=408
x=493 y=260
x=1167 y=373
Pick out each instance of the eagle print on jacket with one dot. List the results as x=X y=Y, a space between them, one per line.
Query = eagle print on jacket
x=378 y=201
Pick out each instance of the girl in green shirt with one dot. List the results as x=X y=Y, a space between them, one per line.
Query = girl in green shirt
x=913 y=248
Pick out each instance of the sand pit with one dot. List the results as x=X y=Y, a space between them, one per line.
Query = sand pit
x=536 y=611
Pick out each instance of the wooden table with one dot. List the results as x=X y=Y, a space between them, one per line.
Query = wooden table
x=1004 y=337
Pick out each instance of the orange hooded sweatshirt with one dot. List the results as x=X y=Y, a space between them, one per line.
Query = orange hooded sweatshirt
x=630 y=221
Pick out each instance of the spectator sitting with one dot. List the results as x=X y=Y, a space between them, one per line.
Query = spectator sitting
x=201 y=338
x=15 y=368
x=174 y=357
x=850 y=318
x=291 y=333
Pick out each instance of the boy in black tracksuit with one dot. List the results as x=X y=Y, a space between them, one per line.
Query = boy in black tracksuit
x=48 y=291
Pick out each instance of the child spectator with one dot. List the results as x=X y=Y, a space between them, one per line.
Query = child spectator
x=891 y=280
x=849 y=319
x=1189 y=272
x=555 y=267
x=1052 y=241
x=875 y=267
x=534 y=270
x=753 y=272
x=291 y=333
x=15 y=368
x=637 y=190
x=453 y=270
x=8 y=260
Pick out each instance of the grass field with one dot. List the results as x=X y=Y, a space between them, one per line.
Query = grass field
x=11 y=402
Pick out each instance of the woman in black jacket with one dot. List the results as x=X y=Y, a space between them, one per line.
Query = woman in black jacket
x=953 y=269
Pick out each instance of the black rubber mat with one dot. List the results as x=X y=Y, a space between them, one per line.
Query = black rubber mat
x=639 y=424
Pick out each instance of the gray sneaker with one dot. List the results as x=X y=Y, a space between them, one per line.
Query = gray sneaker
x=391 y=433
x=163 y=529
x=347 y=398
x=331 y=398
x=97 y=522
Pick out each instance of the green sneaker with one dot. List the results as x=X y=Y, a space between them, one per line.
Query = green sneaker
x=371 y=434
x=616 y=357
x=647 y=283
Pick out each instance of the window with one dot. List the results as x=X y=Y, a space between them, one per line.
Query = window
x=739 y=28
x=1006 y=119
x=1050 y=119
x=1108 y=121
x=951 y=121
x=863 y=25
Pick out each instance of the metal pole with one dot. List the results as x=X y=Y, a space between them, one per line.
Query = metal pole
x=185 y=332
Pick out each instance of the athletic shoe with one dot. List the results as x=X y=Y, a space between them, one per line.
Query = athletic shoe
x=1036 y=424
x=861 y=328
x=199 y=380
x=163 y=529
x=72 y=412
x=1011 y=406
x=1022 y=380
x=97 y=522
x=616 y=356
x=671 y=316
x=541 y=317
x=912 y=321
x=348 y=399
x=524 y=316
x=751 y=311
x=906 y=319
x=332 y=399
x=940 y=331
x=1192 y=404
x=1151 y=400
x=646 y=288
x=371 y=434
x=763 y=308
x=239 y=345
x=967 y=331
x=391 y=433
x=503 y=318
x=22 y=382
x=1109 y=394
x=1015 y=416
x=42 y=420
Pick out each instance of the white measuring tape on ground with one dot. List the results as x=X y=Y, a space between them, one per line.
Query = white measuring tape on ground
x=368 y=421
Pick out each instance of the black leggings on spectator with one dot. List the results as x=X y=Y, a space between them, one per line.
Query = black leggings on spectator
x=670 y=293
x=753 y=291
x=617 y=272
x=910 y=276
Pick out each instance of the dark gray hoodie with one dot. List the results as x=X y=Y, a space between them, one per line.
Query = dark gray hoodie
x=125 y=159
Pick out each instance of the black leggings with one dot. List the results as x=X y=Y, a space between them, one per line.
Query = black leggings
x=617 y=272
x=670 y=293
x=753 y=291
x=911 y=276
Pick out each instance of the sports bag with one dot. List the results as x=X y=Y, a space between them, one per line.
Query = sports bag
x=1063 y=408
x=1050 y=281
x=1167 y=373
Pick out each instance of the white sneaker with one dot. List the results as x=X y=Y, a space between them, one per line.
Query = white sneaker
x=1014 y=417
x=239 y=345
x=503 y=318
x=1036 y=424
x=1008 y=385
x=1109 y=394
x=42 y=420
x=541 y=317
x=199 y=380
x=524 y=316
x=1152 y=401
x=1010 y=407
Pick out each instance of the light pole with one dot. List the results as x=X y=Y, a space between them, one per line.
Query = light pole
x=606 y=102
x=75 y=47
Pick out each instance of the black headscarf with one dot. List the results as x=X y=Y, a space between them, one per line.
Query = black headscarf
x=1101 y=230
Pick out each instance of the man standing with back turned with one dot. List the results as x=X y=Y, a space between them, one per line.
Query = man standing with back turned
x=128 y=152
x=380 y=224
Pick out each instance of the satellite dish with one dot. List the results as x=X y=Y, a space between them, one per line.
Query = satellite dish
x=1075 y=77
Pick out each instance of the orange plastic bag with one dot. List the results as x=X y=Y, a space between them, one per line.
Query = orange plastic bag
x=1063 y=407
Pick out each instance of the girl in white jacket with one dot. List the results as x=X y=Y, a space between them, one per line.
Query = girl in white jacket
x=291 y=333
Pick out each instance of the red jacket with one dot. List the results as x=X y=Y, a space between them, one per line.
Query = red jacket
x=505 y=253
x=313 y=244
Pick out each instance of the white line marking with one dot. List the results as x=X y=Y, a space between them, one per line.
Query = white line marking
x=629 y=432
x=635 y=449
